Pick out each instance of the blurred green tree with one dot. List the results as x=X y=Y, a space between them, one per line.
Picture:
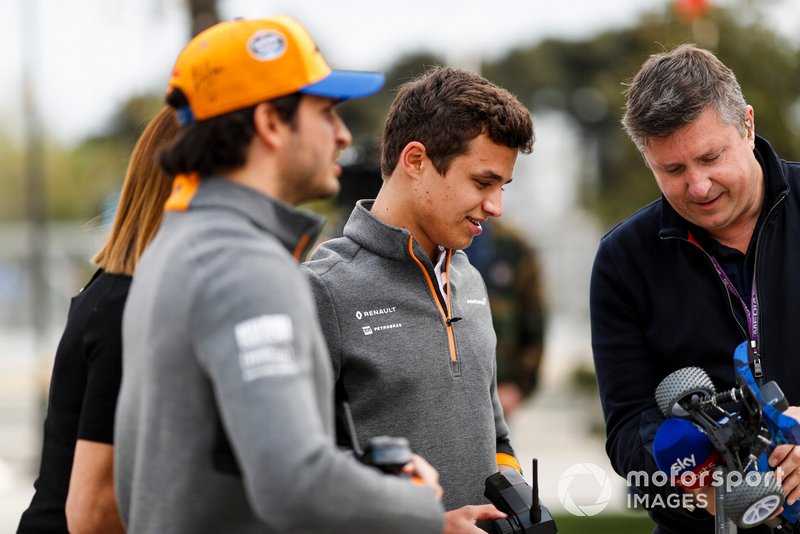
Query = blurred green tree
x=585 y=80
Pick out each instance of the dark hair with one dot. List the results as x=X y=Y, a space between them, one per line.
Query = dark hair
x=673 y=88
x=446 y=108
x=220 y=143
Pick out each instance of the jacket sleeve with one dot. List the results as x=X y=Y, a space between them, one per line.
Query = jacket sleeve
x=504 y=452
x=626 y=376
x=261 y=348
x=328 y=319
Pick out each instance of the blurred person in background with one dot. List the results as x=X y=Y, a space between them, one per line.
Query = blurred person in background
x=510 y=269
x=405 y=315
x=225 y=421
x=709 y=265
x=75 y=487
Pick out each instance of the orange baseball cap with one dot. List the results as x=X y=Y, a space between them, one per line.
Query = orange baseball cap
x=236 y=64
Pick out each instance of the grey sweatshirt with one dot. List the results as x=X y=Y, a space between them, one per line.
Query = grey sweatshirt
x=404 y=369
x=225 y=417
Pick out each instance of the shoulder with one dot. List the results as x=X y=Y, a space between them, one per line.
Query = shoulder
x=459 y=263
x=644 y=222
x=332 y=255
x=105 y=292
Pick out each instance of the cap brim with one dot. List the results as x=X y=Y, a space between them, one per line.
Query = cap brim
x=343 y=84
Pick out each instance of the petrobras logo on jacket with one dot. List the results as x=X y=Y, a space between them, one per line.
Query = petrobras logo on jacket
x=360 y=314
x=377 y=315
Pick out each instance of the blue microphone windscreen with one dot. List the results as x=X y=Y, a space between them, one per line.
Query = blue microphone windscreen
x=680 y=445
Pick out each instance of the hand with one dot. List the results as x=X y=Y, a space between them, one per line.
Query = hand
x=424 y=473
x=785 y=460
x=463 y=519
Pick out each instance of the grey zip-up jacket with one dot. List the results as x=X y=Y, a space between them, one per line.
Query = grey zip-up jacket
x=410 y=364
x=225 y=419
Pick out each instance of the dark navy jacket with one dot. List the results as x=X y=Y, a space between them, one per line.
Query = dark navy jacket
x=658 y=304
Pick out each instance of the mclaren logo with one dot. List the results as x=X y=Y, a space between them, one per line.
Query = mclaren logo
x=372 y=313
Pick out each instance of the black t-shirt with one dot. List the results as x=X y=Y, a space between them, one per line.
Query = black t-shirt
x=83 y=394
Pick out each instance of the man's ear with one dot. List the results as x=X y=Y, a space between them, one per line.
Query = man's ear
x=268 y=125
x=414 y=158
x=749 y=122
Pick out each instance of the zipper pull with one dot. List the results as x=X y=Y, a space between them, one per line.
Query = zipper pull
x=451 y=320
x=757 y=370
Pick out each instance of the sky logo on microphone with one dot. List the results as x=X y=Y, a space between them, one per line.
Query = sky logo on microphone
x=682 y=464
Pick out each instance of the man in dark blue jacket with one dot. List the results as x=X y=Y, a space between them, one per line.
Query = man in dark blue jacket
x=714 y=262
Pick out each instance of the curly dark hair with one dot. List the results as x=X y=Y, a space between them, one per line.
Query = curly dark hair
x=444 y=109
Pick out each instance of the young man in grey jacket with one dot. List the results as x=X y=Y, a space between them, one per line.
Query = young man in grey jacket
x=405 y=315
x=225 y=417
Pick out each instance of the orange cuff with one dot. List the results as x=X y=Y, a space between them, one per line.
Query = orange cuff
x=508 y=460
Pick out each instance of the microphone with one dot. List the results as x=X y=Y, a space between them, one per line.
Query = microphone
x=684 y=452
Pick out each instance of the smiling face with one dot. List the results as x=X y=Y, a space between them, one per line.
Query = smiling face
x=450 y=208
x=708 y=173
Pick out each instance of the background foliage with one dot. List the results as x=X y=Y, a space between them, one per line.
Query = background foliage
x=583 y=80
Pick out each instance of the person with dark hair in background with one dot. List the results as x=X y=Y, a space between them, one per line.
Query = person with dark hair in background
x=75 y=487
x=404 y=314
x=689 y=277
x=225 y=420
x=510 y=268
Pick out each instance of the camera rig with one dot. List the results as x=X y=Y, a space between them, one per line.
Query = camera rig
x=510 y=494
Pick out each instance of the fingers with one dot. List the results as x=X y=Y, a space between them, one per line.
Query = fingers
x=793 y=411
x=462 y=520
x=481 y=512
x=419 y=468
x=791 y=486
x=779 y=455
x=785 y=459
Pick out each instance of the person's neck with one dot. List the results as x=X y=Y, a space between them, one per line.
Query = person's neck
x=262 y=179
x=739 y=235
x=739 y=241
x=391 y=208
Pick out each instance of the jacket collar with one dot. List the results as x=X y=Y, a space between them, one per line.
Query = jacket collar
x=380 y=238
x=777 y=185
x=295 y=229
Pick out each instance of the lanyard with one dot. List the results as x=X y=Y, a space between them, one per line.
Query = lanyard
x=750 y=312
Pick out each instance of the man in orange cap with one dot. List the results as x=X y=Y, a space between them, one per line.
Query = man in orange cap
x=225 y=417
